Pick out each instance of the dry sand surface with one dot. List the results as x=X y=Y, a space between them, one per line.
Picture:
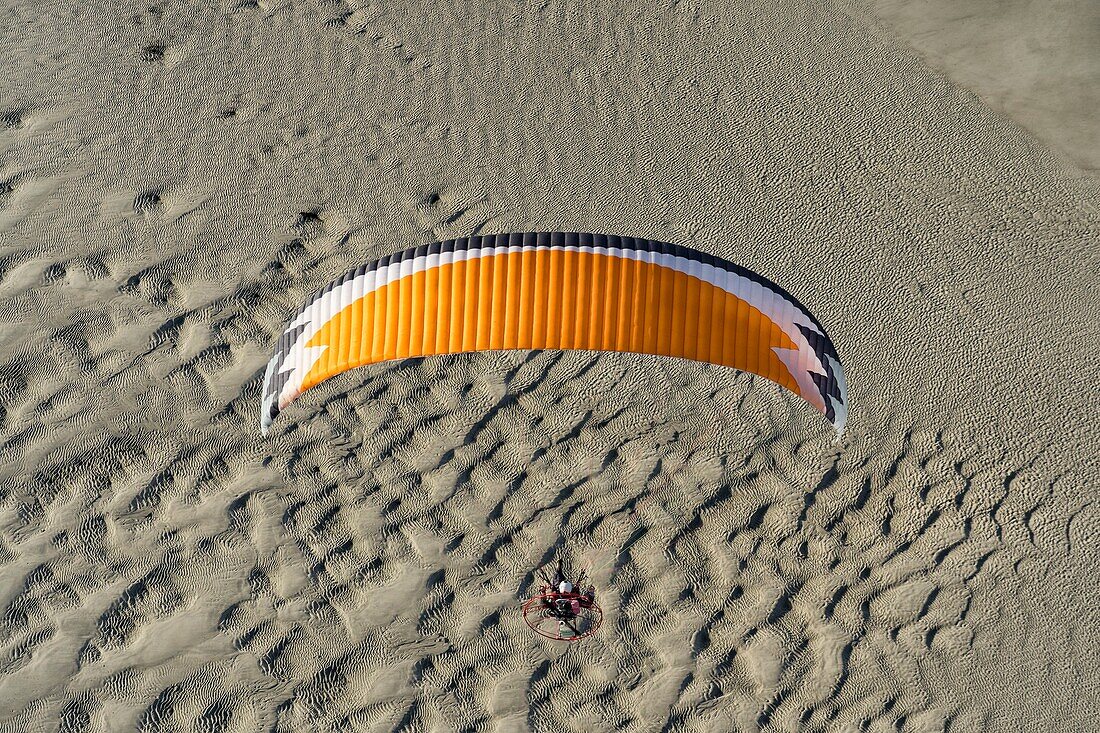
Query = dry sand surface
x=176 y=177
x=1037 y=61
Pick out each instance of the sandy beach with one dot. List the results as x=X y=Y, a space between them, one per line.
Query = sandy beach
x=176 y=178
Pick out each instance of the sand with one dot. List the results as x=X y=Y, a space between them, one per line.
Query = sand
x=1034 y=61
x=177 y=177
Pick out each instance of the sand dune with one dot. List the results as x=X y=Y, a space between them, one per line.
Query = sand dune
x=175 y=179
x=1032 y=61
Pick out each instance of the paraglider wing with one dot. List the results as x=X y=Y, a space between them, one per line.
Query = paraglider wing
x=556 y=291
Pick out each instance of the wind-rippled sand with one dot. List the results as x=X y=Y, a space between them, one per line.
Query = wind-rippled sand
x=174 y=180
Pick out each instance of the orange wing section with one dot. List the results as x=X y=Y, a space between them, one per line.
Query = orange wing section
x=556 y=300
x=556 y=290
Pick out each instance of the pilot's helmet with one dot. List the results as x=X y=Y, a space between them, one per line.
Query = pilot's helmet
x=565 y=587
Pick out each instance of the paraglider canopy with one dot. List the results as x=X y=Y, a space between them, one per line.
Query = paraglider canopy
x=556 y=291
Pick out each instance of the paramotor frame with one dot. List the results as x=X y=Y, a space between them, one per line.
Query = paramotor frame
x=562 y=616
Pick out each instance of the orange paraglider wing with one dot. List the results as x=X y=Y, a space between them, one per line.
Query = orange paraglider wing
x=556 y=291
